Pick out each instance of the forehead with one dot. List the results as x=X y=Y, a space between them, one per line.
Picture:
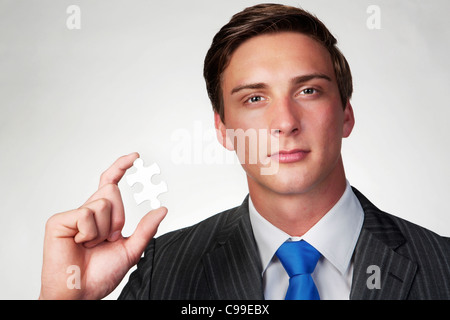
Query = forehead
x=277 y=56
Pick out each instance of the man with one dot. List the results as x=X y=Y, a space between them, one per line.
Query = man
x=273 y=69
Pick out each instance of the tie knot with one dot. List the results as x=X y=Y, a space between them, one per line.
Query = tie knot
x=298 y=257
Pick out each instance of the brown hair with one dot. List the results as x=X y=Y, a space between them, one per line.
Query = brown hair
x=263 y=19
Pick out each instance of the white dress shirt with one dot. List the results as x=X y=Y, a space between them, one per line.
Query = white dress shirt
x=334 y=236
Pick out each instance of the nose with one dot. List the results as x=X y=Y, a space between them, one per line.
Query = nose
x=285 y=118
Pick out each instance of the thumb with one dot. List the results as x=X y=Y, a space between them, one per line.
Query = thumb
x=144 y=232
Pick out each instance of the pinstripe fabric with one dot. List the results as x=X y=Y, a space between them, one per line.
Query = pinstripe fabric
x=218 y=259
x=215 y=259
x=414 y=262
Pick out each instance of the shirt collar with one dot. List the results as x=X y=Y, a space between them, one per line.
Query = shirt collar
x=334 y=236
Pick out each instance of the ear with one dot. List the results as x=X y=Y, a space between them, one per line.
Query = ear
x=221 y=133
x=349 y=120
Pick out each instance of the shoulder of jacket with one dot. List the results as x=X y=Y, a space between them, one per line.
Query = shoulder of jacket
x=415 y=233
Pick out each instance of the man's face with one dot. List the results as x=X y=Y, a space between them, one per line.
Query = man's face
x=285 y=84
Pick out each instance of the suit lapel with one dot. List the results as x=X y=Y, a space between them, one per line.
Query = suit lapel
x=233 y=267
x=375 y=258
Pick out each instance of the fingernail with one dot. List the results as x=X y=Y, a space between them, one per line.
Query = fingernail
x=114 y=236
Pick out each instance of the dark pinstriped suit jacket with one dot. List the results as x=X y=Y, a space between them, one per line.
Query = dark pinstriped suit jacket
x=218 y=259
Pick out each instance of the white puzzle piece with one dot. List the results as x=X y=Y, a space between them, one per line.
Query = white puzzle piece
x=150 y=191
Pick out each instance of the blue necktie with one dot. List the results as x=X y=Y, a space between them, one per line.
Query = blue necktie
x=299 y=259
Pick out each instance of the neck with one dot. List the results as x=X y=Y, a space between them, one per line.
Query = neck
x=296 y=213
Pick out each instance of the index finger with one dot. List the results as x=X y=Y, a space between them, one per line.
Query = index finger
x=117 y=170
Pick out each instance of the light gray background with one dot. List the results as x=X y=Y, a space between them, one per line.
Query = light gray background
x=72 y=101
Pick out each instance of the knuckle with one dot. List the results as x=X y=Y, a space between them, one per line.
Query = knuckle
x=85 y=212
x=51 y=223
x=104 y=204
x=54 y=221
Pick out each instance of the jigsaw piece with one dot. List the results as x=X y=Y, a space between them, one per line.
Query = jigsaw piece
x=150 y=191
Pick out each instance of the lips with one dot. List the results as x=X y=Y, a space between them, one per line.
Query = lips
x=290 y=156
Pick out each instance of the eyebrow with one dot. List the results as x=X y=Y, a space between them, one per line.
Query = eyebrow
x=249 y=86
x=295 y=81
x=308 y=77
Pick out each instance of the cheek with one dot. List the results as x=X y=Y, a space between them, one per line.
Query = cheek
x=326 y=131
x=242 y=124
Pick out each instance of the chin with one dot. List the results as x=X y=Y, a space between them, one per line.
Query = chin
x=291 y=188
x=283 y=182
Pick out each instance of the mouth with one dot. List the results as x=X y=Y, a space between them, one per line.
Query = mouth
x=290 y=156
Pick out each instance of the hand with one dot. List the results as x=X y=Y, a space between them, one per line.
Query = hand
x=90 y=238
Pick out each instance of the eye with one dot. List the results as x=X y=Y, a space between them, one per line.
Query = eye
x=255 y=99
x=308 y=91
